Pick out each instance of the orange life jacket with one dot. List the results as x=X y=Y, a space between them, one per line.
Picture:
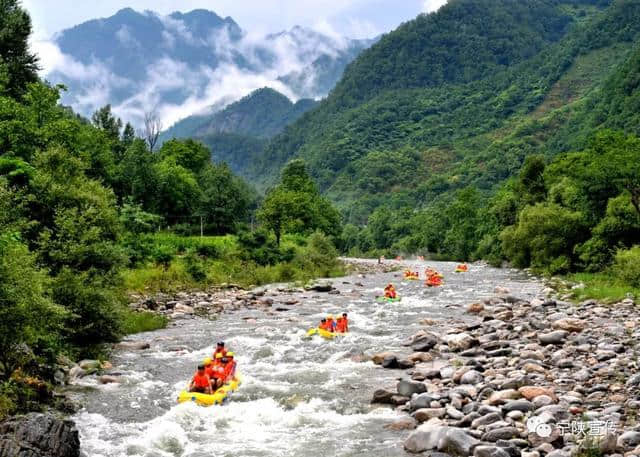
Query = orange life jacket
x=342 y=325
x=201 y=381
x=229 y=370
x=210 y=370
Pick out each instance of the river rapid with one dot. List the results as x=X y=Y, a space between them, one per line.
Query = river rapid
x=300 y=396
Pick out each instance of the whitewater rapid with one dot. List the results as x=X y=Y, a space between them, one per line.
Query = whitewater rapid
x=300 y=396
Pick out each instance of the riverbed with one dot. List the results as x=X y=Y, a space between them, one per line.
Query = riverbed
x=300 y=396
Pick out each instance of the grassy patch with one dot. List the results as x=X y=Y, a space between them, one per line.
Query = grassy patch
x=604 y=287
x=138 y=322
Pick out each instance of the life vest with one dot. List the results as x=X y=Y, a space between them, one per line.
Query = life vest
x=229 y=370
x=210 y=371
x=341 y=326
x=201 y=381
x=218 y=371
x=331 y=325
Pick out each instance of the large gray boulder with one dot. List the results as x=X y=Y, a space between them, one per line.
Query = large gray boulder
x=408 y=388
x=452 y=440
x=38 y=435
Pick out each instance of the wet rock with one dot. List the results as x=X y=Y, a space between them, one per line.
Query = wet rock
x=486 y=420
x=90 y=365
x=555 y=337
x=406 y=423
x=408 y=388
x=425 y=437
x=457 y=442
x=633 y=380
x=423 y=400
x=383 y=396
x=390 y=361
x=424 y=414
x=405 y=363
x=531 y=392
x=133 y=345
x=475 y=308
x=39 y=435
x=109 y=379
x=418 y=357
x=424 y=343
x=490 y=451
x=379 y=358
x=76 y=372
x=323 y=286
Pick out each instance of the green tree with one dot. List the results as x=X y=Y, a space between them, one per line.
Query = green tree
x=189 y=154
x=224 y=200
x=178 y=193
x=17 y=63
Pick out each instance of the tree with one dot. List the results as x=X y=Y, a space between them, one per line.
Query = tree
x=152 y=128
x=189 y=154
x=128 y=135
x=224 y=199
x=278 y=208
x=18 y=65
x=178 y=193
x=107 y=122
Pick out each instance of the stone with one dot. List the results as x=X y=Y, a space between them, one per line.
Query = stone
x=570 y=324
x=423 y=400
x=471 y=377
x=323 y=286
x=542 y=400
x=133 y=345
x=406 y=423
x=502 y=396
x=424 y=414
x=490 y=451
x=418 y=357
x=633 y=380
x=460 y=341
x=555 y=337
x=629 y=440
x=453 y=413
x=425 y=343
x=90 y=365
x=502 y=433
x=390 y=361
x=518 y=405
x=475 y=308
x=457 y=442
x=382 y=396
x=486 y=420
x=408 y=388
x=531 y=392
x=378 y=358
x=426 y=437
x=108 y=379
x=76 y=372
x=39 y=435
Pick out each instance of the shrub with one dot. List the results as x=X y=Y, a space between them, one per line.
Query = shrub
x=209 y=251
x=195 y=267
x=627 y=265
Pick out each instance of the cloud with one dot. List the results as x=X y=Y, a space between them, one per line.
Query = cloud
x=177 y=89
x=429 y=6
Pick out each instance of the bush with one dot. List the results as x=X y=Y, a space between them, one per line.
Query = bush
x=627 y=266
x=195 y=267
x=138 y=322
x=209 y=251
x=163 y=255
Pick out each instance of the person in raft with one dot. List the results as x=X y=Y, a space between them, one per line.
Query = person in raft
x=390 y=292
x=220 y=349
x=200 y=382
x=330 y=325
x=342 y=326
x=231 y=366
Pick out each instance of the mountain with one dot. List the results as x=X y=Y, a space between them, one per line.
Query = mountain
x=460 y=97
x=183 y=63
x=241 y=129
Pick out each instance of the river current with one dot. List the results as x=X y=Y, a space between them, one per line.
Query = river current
x=300 y=397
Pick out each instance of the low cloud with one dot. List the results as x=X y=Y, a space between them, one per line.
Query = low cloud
x=177 y=89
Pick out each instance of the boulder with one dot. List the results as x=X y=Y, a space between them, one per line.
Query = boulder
x=475 y=308
x=38 y=435
x=406 y=423
x=471 y=377
x=408 y=388
x=518 y=405
x=501 y=433
x=429 y=436
x=390 y=361
x=629 y=440
x=108 y=379
x=383 y=396
x=87 y=365
x=323 y=286
x=379 y=358
x=425 y=343
x=422 y=401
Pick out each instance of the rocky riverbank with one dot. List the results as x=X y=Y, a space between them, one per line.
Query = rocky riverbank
x=530 y=378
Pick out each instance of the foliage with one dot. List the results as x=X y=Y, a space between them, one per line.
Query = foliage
x=627 y=266
x=138 y=322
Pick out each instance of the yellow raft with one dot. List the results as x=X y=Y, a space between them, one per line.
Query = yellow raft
x=216 y=398
x=323 y=333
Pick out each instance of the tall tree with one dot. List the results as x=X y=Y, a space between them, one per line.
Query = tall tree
x=18 y=65
x=152 y=128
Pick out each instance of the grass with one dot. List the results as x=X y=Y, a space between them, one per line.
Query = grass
x=189 y=270
x=603 y=287
x=138 y=322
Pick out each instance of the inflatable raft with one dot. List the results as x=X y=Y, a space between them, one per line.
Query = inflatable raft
x=388 y=300
x=216 y=398
x=323 y=333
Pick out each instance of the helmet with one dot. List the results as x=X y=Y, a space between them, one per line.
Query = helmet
x=207 y=361
x=230 y=354
x=219 y=355
x=330 y=316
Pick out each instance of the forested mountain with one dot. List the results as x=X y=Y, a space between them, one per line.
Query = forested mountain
x=459 y=97
x=184 y=62
x=241 y=130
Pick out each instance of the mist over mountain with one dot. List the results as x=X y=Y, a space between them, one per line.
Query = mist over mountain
x=188 y=63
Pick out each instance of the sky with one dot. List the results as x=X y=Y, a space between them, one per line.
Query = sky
x=350 y=18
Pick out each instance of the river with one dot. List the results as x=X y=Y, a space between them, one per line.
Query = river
x=300 y=397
